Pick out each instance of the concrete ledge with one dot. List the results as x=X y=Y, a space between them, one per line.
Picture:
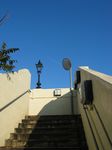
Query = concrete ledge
x=102 y=93
x=97 y=74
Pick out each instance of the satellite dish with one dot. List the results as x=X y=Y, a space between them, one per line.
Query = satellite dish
x=66 y=63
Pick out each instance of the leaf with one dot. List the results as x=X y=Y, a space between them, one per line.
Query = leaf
x=11 y=50
x=6 y=62
x=7 y=67
x=4 y=46
x=1 y=54
x=4 y=59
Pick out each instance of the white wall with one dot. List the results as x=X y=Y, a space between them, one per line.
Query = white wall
x=11 y=87
x=102 y=92
x=43 y=102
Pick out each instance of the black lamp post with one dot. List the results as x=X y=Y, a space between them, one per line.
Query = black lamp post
x=39 y=67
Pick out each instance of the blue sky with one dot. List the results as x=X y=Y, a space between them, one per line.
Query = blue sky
x=51 y=30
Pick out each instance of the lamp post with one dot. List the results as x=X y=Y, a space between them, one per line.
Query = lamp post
x=39 y=67
x=68 y=66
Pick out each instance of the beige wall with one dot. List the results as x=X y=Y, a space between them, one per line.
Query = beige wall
x=11 y=87
x=43 y=102
x=102 y=91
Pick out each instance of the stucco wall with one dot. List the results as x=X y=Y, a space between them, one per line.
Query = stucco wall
x=43 y=102
x=11 y=87
x=102 y=92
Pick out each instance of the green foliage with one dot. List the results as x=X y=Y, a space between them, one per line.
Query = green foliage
x=6 y=62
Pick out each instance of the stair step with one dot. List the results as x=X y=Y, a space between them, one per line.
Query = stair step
x=45 y=130
x=36 y=143
x=48 y=133
x=47 y=125
x=59 y=124
x=53 y=117
x=45 y=137
x=49 y=121
x=43 y=148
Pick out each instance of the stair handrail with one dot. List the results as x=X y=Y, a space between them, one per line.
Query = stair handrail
x=14 y=100
x=103 y=126
x=89 y=122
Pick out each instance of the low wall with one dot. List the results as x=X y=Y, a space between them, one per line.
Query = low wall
x=97 y=118
x=43 y=102
x=14 y=100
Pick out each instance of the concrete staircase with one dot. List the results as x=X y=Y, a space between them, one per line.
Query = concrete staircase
x=64 y=132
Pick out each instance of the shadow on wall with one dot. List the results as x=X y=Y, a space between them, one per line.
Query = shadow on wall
x=60 y=106
x=52 y=133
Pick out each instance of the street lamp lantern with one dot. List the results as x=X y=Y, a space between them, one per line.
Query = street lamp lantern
x=39 y=67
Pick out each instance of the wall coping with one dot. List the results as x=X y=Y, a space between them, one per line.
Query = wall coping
x=100 y=75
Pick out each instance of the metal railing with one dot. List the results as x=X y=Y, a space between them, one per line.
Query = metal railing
x=89 y=122
x=102 y=124
x=14 y=100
